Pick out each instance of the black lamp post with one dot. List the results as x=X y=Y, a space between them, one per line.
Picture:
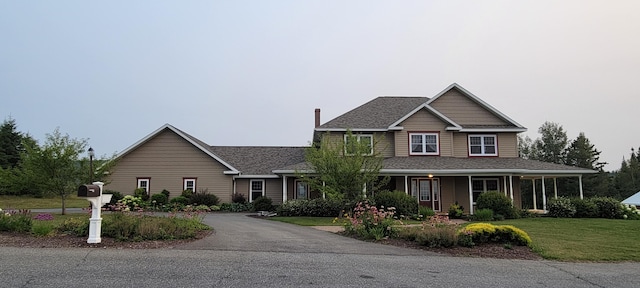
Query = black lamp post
x=91 y=154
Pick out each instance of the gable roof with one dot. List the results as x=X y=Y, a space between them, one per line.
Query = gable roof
x=375 y=115
x=485 y=105
x=194 y=141
x=387 y=112
x=259 y=160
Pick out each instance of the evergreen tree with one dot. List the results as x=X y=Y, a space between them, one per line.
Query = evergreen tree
x=10 y=144
x=581 y=153
x=627 y=179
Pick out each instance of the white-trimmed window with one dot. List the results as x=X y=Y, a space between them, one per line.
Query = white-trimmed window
x=256 y=189
x=355 y=141
x=424 y=144
x=302 y=190
x=144 y=183
x=481 y=185
x=483 y=145
x=189 y=184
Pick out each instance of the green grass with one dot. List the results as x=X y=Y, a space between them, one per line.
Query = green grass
x=582 y=239
x=23 y=202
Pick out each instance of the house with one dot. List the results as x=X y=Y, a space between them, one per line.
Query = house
x=442 y=150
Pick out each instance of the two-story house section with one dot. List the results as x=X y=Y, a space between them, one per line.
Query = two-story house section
x=445 y=149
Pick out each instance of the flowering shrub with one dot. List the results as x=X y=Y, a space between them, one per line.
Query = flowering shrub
x=485 y=232
x=43 y=217
x=630 y=212
x=369 y=222
x=129 y=203
x=16 y=221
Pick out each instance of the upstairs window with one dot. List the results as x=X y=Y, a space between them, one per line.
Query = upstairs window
x=362 y=142
x=423 y=144
x=483 y=145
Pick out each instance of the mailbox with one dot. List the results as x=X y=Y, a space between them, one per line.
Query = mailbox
x=89 y=191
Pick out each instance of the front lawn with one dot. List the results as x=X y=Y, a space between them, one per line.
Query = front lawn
x=567 y=239
x=29 y=202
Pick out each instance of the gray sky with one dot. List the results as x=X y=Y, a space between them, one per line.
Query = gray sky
x=252 y=72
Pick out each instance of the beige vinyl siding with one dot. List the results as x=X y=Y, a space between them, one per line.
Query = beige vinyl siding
x=507 y=145
x=462 y=110
x=273 y=188
x=383 y=142
x=460 y=145
x=166 y=159
x=423 y=121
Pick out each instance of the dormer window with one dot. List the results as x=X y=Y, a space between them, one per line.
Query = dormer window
x=483 y=145
x=424 y=144
x=358 y=141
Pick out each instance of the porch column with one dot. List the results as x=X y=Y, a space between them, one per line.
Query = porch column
x=504 y=178
x=544 y=196
x=406 y=184
x=511 y=189
x=284 y=188
x=580 y=181
x=234 y=185
x=470 y=196
x=535 y=205
x=555 y=187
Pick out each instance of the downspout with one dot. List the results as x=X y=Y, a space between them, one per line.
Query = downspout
x=580 y=181
x=284 y=189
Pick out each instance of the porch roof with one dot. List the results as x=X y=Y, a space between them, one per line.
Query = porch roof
x=462 y=166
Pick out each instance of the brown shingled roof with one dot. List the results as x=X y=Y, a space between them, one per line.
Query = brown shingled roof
x=378 y=113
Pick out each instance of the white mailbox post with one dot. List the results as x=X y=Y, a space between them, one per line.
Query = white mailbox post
x=93 y=193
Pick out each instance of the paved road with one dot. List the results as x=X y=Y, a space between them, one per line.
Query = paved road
x=248 y=252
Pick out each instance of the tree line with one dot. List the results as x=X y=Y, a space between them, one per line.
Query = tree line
x=55 y=167
x=554 y=146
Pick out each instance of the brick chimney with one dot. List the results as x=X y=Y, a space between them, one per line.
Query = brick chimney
x=317 y=117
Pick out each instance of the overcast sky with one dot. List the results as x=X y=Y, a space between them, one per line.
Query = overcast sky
x=252 y=72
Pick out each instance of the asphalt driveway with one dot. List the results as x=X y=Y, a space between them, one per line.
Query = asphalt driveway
x=238 y=232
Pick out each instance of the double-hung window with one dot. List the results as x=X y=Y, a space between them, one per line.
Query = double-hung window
x=424 y=144
x=189 y=184
x=483 y=145
x=256 y=189
x=362 y=143
x=144 y=183
x=302 y=190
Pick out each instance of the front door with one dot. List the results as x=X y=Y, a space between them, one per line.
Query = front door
x=427 y=190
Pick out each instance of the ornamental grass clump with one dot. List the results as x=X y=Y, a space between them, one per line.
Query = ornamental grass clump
x=437 y=232
x=369 y=222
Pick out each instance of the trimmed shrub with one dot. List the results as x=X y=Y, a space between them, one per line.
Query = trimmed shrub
x=180 y=200
x=585 y=208
x=166 y=193
x=456 y=211
x=262 y=204
x=115 y=196
x=485 y=232
x=608 y=207
x=405 y=204
x=235 y=207
x=483 y=215
x=159 y=199
x=315 y=207
x=561 y=208
x=204 y=198
x=238 y=198
x=498 y=202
